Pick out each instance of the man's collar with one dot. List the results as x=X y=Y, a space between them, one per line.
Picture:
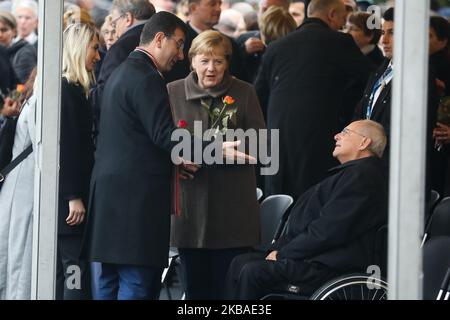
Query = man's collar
x=353 y=163
x=312 y=20
x=198 y=31
x=368 y=49
x=151 y=57
x=138 y=23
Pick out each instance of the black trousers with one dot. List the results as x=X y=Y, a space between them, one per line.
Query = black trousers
x=72 y=274
x=251 y=277
x=203 y=271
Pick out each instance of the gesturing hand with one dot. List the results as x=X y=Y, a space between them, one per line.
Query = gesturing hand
x=229 y=152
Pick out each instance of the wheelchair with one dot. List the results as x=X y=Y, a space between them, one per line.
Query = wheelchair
x=358 y=286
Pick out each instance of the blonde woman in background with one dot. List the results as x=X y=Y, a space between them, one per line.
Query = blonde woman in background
x=275 y=23
x=80 y=53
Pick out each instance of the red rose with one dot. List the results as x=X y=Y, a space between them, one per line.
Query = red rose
x=228 y=100
x=182 y=124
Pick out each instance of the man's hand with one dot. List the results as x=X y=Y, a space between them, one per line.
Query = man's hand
x=11 y=108
x=188 y=169
x=253 y=45
x=442 y=133
x=229 y=152
x=440 y=86
x=272 y=256
x=76 y=212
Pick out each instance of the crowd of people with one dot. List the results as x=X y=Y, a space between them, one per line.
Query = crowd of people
x=134 y=71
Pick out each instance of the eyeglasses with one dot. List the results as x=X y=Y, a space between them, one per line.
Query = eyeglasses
x=347 y=131
x=114 y=22
x=179 y=43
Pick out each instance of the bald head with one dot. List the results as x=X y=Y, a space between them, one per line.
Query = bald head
x=332 y=12
x=375 y=132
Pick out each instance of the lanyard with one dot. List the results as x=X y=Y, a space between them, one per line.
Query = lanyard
x=381 y=83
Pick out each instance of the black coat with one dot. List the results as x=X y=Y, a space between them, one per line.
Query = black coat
x=76 y=152
x=117 y=54
x=335 y=222
x=376 y=56
x=129 y=217
x=23 y=57
x=303 y=84
x=7 y=78
x=440 y=63
x=250 y=62
x=381 y=111
x=182 y=68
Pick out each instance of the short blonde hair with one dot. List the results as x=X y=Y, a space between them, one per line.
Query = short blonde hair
x=207 y=41
x=76 y=39
x=275 y=23
x=106 y=23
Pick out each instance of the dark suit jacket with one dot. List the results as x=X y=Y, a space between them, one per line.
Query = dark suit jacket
x=182 y=68
x=335 y=222
x=23 y=57
x=250 y=62
x=381 y=112
x=376 y=56
x=76 y=152
x=303 y=84
x=129 y=217
x=7 y=79
x=117 y=54
x=440 y=62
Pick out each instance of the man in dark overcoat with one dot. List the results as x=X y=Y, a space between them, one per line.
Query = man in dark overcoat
x=332 y=227
x=304 y=85
x=129 y=216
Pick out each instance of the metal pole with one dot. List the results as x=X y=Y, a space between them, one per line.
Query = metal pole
x=408 y=148
x=47 y=159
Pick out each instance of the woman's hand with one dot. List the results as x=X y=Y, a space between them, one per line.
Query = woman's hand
x=11 y=108
x=442 y=133
x=76 y=212
x=229 y=152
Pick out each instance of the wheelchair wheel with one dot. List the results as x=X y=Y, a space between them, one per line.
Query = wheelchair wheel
x=352 y=287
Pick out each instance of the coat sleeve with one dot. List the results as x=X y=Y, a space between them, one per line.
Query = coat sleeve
x=342 y=218
x=71 y=185
x=24 y=61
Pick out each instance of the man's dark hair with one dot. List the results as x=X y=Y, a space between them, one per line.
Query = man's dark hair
x=161 y=22
x=441 y=26
x=139 y=9
x=389 y=15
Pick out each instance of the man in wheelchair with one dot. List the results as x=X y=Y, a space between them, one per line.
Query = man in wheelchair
x=331 y=228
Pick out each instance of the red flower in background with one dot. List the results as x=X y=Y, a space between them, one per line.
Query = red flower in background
x=182 y=124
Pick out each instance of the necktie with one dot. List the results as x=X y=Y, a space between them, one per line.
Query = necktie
x=380 y=83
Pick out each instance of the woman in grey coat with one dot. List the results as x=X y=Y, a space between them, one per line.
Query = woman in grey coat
x=16 y=211
x=219 y=213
